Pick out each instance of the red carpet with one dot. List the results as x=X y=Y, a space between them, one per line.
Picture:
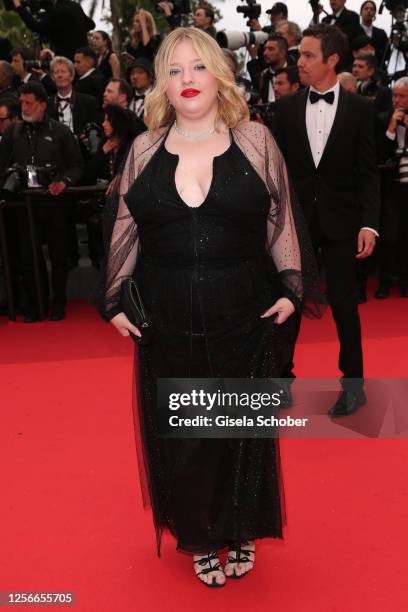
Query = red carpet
x=71 y=515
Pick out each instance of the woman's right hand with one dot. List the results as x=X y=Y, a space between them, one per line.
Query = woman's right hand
x=124 y=326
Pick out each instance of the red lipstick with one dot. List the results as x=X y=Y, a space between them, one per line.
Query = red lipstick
x=190 y=93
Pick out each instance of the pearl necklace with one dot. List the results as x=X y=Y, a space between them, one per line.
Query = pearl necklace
x=193 y=135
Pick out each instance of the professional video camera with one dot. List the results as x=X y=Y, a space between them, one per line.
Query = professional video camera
x=16 y=179
x=178 y=7
x=393 y=5
x=94 y=135
x=251 y=11
x=19 y=177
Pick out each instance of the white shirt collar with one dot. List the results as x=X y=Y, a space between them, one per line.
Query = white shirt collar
x=86 y=74
x=68 y=95
x=339 y=13
x=335 y=88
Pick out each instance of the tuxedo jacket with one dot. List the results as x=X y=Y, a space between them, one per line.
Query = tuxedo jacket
x=380 y=39
x=349 y=23
x=85 y=109
x=344 y=188
x=92 y=85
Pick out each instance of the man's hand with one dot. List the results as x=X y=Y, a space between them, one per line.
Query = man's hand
x=17 y=3
x=365 y=243
x=398 y=115
x=166 y=7
x=283 y=307
x=56 y=187
x=254 y=25
x=253 y=51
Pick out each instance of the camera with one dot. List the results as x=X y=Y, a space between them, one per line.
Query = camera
x=46 y=174
x=93 y=135
x=179 y=7
x=235 y=40
x=251 y=11
x=37 y=65
x=16 y=179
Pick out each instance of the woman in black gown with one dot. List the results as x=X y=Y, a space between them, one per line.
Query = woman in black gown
x=203 y=220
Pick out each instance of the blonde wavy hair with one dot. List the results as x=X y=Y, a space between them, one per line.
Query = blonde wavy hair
x=232 y=107
x=136 y=37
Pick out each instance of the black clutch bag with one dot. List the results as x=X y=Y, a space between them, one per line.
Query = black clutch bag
x=132 y=305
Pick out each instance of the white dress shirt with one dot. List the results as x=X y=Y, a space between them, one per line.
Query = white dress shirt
x=367 y=29
x=334 y=20
x=65 y=111
x=86 y=74
x=319 y=122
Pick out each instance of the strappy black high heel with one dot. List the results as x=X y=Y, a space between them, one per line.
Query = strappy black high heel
x=206 y=560
x=241 y=557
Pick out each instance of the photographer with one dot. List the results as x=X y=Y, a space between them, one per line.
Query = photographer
x=64 y=24
x=368 y=13
x=203 y=19
x=47 y=153
x=365 y=71
x=278 y=13
x=393 y=146
x=27 y=68
x=293 y=34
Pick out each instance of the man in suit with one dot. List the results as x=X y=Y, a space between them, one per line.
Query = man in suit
x=275 y=57
x=89 y=80
x=347 y=21
x=365 y=71
x=392 y=144
x=293 y=34
x=327 y=137
x=368 y=13
x=64 y=24
x=70 y=107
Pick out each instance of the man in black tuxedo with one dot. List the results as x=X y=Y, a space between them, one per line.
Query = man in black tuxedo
x=347 y=21
x=70 y=107
x=368 y=13
x=89 y=80
x=275 y=55
x=327 y=137
x=64 y=24
x=392 y=144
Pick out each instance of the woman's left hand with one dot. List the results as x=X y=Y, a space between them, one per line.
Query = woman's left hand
x=283 y=307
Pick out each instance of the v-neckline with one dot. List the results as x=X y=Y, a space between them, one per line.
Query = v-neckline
x=177 y=157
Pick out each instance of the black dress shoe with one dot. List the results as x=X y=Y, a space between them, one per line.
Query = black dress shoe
x=404 y=291
x=31 y=318
x=347 y=403
x=382 y=292
x=57 y=313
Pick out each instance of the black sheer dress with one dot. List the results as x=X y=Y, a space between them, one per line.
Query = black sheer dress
x=206 y=276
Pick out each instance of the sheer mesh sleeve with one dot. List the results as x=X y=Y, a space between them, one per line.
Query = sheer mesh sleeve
x=288 y=240
x=121 y=242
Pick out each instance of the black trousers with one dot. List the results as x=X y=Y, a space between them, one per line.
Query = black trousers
x=338 y=260
x=393 y=247
x=51 y=229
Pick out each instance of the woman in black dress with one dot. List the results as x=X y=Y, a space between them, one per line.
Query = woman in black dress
x=144 y=40
x=108 y=62
x=204 y=222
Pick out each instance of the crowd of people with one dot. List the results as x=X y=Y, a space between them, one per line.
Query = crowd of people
x=70 y=111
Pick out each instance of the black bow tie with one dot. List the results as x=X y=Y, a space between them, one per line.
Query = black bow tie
x=327 y=97
x=60 y=100
x=139 y=97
